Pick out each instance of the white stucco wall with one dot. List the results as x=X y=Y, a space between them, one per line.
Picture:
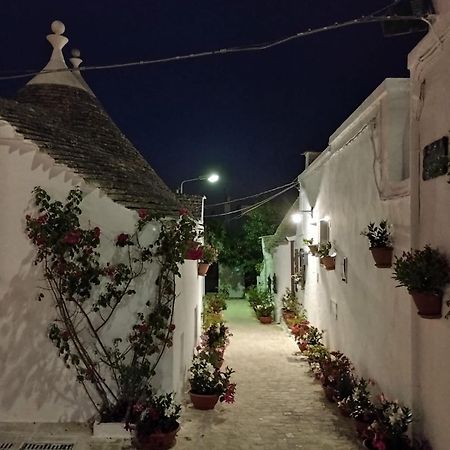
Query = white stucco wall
x=282 y=267
x=187 y=317
x=429 y=64
x=34 y=384
x=367 y=318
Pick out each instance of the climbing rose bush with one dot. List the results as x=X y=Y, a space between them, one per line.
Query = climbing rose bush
x=87 y=291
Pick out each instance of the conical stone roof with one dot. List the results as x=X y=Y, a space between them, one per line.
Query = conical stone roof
x=59 y=112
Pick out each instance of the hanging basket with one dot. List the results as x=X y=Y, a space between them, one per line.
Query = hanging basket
x=429 y=304
x=382 y=256
x=329 y=262
x=203 y=269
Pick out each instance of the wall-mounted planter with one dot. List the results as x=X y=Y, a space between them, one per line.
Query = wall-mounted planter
x=203 y=269
x=313 y=249
x=429 y=304
x=382 y=256
x=329 y=262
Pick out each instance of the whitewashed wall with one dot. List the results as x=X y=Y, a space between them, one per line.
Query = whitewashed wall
x=34 y=384
x=354 y=182
x=429 y=64
x=187 y=318
x=282 y=267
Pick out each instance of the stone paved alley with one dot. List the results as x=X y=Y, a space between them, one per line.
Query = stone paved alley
x=279 y=406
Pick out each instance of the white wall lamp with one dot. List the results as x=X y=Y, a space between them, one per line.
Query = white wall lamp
x=297 y=217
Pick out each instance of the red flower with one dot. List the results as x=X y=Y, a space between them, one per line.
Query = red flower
x=184 y=212
x=96 y=231
x=72 y=237
x=122 y=239
x=143 y=328
x=172 y=327
x=143 y=213
x=42 y=219
x=228 y=397
x=194 y=252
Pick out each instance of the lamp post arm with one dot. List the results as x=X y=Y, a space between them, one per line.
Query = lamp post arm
x=187 y=181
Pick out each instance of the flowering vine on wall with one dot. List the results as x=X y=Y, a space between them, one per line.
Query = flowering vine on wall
x=87 y=292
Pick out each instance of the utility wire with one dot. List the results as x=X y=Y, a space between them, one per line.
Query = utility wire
x=223 y=51
x=251 y=196
x=247 y=209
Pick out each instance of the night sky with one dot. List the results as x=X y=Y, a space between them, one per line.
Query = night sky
x=248 y=116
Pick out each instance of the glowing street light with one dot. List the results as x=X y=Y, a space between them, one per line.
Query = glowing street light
x=212 y=178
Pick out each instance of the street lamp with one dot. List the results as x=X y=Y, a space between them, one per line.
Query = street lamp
x=212 y=178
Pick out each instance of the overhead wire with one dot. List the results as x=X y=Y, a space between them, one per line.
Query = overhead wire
x=248 y=48
x=247 y=209
x=251 y=196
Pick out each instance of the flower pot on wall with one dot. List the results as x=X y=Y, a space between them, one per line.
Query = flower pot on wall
x=203 y=401
x=429 y=304
x=203 y=269
x=313 y=249
x=382 y=256
x=329 y=262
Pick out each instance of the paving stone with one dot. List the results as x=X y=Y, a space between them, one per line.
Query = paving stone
x=278 y=404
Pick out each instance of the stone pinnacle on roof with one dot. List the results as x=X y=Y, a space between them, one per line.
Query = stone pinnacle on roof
x=56 y=71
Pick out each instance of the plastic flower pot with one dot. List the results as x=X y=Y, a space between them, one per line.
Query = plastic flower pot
x=382 y=256
x=429 y=304
x=157 y=441
x=203 y=269
x=203 y=401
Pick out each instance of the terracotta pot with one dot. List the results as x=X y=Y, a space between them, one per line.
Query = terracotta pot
x=313 y=249
x=265 y=319
x=157 y=441
x=204 y=402
x=382 y=256
x=429 y=304
x=328 y=262
x=344 y=410
x=203 y=269
x=329 y=393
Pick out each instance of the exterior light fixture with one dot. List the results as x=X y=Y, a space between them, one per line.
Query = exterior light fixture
x=296 y=217
x=212 y=178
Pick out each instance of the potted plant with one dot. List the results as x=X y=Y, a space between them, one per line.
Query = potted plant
x=380 y=243
x=155 y=422
x=389 y=427
x=264 y=310
x=209 y=384
x=214 y=340
x=208 y=257
x=424 y=273
x=360 y=406
x=313 y=248
x=327 y=255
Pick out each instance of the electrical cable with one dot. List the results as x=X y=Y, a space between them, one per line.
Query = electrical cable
x=246 y=209
x=252 y=196
x=230 y=50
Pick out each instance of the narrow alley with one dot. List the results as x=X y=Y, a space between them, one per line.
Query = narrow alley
x=278 y=404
